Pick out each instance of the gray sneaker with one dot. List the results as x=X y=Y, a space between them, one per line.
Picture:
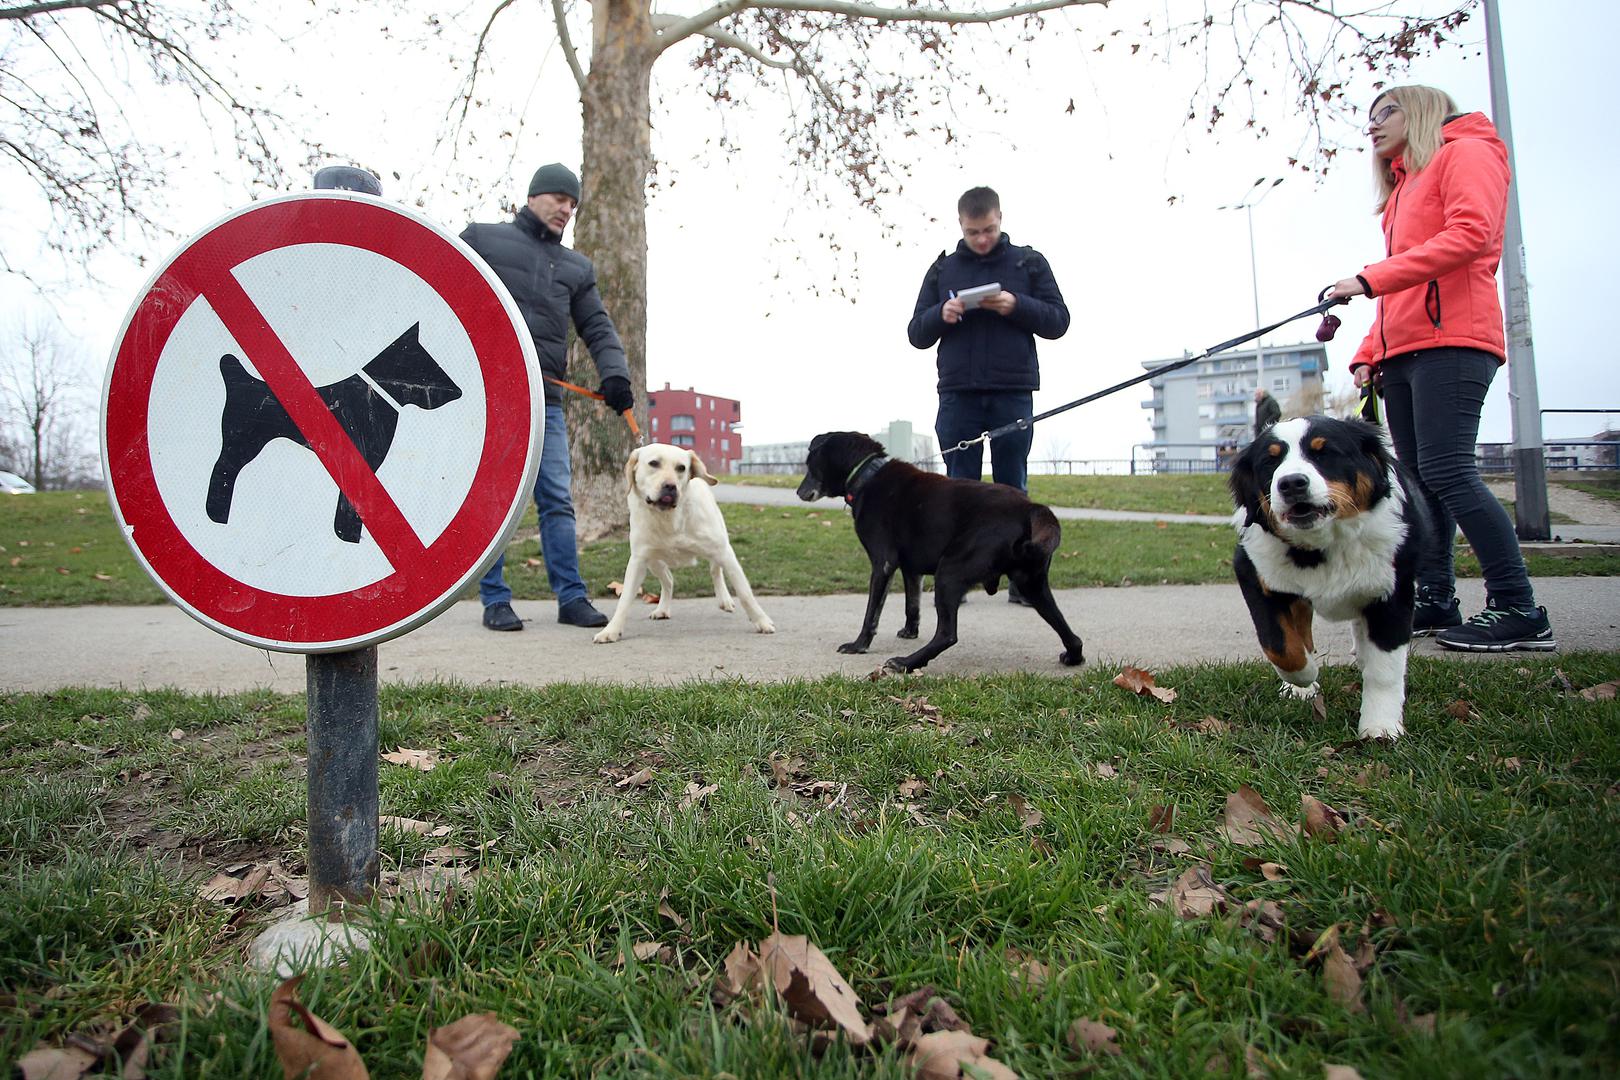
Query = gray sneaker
x=1431 y=617
x=1500 y=629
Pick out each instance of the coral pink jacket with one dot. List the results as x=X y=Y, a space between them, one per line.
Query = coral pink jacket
x=1443 y=236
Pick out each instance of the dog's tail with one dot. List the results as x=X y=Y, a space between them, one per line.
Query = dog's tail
x=1041 y=542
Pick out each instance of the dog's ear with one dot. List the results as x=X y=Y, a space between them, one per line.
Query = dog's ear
x=1241 y=482
x=1375 y=443
x=701 y=471
x=630 y=469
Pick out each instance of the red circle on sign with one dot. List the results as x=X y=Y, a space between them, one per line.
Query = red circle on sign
x=424 y=578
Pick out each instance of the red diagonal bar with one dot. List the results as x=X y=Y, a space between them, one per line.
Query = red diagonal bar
x=332 y=445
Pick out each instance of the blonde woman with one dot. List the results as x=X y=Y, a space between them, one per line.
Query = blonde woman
x=1435 y=345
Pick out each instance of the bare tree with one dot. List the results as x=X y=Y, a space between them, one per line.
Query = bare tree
x=858 y=78
x=41 y=398
x=70 y=129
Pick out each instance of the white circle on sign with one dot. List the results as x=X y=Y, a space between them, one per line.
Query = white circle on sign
x=335 y=308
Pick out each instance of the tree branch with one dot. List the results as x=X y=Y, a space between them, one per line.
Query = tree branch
x=27 y=11
x=566 y=43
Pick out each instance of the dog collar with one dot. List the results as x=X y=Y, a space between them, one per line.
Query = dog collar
x=861 y=474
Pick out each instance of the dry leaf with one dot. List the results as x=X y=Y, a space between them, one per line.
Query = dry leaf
x=1462 y=710
x=668 y=912
x=1271 y=871
x=1194 y=894
x=1161 y=818
x=617 y=587
x=941 y=1055
x=910 y=1016
x=1105 y=771
x=1319 y=707
x=1138 y=681
x=785 y=769
x=811 y=987
x=1339 y=972
x=696 y=793
x=1028 y=815
x=1172 y=845
x=1264 y=917
x=1209 y=725
x=1093 y=1036
x=1321 y=820
x=420 y=760
x=1339 y=1072
x=177 y=734
x=645 y=951
x=1026 y=969
x=741 y=972
x=638 y=779
x=1248 y=819
x=913 y=787
x=56 y=1062
x=316 y=1049
x=1601 y=692
x=472 y=1048
x=103 y=577
x=412 y=825
x=227 y=888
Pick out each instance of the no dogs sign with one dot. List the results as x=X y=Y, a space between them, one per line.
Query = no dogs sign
x=319 y=422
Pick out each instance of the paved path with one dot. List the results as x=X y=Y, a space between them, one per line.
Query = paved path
x=1153 y=626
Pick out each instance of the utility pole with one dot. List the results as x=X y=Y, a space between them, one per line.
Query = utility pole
x=1529 y=464
x=1247 y=205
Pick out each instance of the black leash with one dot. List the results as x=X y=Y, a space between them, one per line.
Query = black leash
x=1330 y=323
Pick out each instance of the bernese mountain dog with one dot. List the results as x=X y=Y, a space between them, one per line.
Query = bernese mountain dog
x=1326 y=526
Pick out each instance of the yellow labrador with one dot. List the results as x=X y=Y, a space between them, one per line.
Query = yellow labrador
x=675 y=522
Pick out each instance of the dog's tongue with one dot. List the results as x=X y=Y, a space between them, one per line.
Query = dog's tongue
x=666 y=500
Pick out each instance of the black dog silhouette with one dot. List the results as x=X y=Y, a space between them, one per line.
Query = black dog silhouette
x=253 y=417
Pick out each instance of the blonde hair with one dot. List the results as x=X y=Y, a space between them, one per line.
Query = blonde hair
x=1426 y=110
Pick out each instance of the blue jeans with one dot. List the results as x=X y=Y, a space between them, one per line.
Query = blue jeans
x=553 y=498
x=964 y=414
x=1432 y=400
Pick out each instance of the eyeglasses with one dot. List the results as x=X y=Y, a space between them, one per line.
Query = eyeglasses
x=1378 y=118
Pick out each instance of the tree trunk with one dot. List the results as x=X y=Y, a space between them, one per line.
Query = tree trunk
x=612 y=233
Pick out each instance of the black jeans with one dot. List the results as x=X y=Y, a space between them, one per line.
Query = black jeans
x=1432 y=400
x=965 y=414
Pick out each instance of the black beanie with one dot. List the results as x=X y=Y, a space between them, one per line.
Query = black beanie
x=555 y=179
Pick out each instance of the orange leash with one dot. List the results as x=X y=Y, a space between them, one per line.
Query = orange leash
x=628 y=414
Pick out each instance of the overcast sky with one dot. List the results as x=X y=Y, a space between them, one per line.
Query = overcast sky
x=743 y=294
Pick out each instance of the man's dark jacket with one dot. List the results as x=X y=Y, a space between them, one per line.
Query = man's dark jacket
x=1266 y=413
x=551 y=284
x=986 y=351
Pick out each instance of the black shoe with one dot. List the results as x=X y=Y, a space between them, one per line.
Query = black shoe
x=580 y=613
x=1016 y=597
x=1431 y=616
x=1498 y=629
x=501 y=617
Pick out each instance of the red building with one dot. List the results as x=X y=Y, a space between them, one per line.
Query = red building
x=708 y=425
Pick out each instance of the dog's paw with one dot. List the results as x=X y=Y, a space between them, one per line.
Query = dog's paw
x=907 y=632
x=1298 y=693
x=728 y=604
x=606 y=637
x=765 y=626
x=658 y=613
x=1388 y=729
x=852 y=647
x=897 y=664
x=1071 y=657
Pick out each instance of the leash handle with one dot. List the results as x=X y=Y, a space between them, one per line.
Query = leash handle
x=628 y=414
x=1022 y=424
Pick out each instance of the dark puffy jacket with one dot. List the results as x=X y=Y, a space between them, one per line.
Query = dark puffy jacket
x=986 y=351
x=551 y=284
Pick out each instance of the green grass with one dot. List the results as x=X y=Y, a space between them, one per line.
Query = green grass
x=1479 y=862
x=1192 y=494
x=1602 y=485
x=786 y=551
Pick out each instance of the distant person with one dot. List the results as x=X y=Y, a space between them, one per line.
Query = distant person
x=552 y=285
x=1266 y=410
x=1435 y=345
x=988 y=370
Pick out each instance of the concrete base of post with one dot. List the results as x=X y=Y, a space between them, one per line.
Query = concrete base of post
x=299 y=941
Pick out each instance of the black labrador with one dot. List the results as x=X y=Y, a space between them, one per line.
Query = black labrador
x=963 y=532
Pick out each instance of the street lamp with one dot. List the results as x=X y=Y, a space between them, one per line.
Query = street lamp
x=1250 y=200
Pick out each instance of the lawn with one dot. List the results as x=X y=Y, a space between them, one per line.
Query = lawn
x=936 y=831
x=64 y=548
x=1191 y=494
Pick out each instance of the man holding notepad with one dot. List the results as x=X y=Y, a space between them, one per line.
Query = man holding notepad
x=985 y=303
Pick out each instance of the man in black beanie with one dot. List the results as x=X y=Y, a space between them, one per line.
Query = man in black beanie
x=552 y=284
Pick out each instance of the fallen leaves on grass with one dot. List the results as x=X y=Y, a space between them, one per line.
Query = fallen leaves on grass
x=413 y=825
x=1271 y=871
x=317 y=1048
x=129 y=1047
x=644 y=951
x=1161 y=818
x=1192 y=895
x=912 y=787
x=1264 y=917
x=472 y=1048
x=420 y=760
x=946 y=1055
x=1601 y=692
x=56 y=1062
x=808 y=984
x=1462 y=710
x=1248 y=819
x=1140 y=682
x=639 y=779
x=1027 y=971
x=696 y=793
x=1028 y=816
x=911 y=1016
x=1093 y=1037
x=926 y=714
x=1321 y=820
x=1340 y=974
x=785 y=769
x=1339 y=1072
x=241 y=883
